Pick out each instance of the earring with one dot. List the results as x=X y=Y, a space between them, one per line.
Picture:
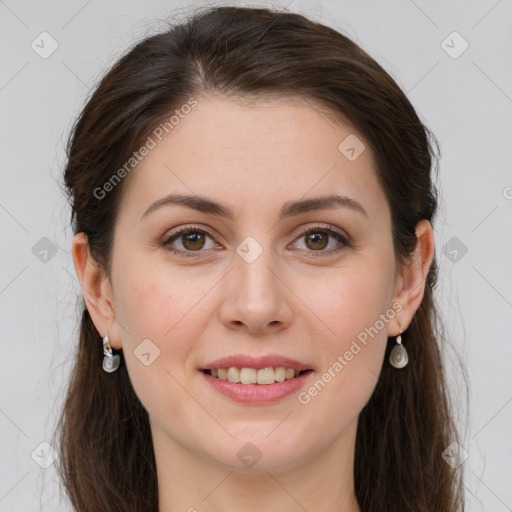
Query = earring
x=110 y=362
x=398 y=357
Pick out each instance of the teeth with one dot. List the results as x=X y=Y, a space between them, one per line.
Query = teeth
x=267 y=375
x=248 y=375
x=290 y=373
x=280 y=373
x=233 y=374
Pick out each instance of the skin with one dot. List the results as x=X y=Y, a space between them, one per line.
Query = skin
x=291 y=301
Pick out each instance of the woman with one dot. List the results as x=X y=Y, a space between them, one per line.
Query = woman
x=252 y=203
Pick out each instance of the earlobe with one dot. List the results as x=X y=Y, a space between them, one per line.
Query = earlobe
x=413 y=277
x=95 y=287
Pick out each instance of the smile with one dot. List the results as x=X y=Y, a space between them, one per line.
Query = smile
x=263 y=376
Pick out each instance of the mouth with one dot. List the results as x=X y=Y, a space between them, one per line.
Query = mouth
x=262 y=376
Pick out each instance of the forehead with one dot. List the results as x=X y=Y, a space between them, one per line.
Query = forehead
x=255 y=155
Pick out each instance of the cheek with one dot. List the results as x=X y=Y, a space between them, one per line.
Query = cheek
x=353 y=301
x=353 y=308
x=162 y=315
x=157 y=302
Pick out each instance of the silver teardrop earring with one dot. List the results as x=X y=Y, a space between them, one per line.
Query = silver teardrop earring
x=110 y=362
x=398 y=357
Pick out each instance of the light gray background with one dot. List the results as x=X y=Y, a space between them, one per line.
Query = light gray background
x=466 y=101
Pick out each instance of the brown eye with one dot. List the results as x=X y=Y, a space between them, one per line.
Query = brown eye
x=318 y=240
x=192 y=240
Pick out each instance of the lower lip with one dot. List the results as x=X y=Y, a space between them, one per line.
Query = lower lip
x=257 y=393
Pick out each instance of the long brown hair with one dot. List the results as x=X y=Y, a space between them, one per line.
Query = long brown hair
x=106 y=460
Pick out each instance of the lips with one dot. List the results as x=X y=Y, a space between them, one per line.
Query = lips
x=263 y=370
x=255 y=393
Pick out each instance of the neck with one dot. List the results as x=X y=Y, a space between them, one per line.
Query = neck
x=192 y=482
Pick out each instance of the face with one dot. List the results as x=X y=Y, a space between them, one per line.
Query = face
x=273 y=285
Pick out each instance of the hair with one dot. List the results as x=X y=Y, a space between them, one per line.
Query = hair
x=107 y=461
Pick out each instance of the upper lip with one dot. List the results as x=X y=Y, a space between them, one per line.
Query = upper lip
x=246 y=361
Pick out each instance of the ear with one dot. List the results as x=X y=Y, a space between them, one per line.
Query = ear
x=96 y=289
x=410 y=284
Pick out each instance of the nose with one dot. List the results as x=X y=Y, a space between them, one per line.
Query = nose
x=256 y=298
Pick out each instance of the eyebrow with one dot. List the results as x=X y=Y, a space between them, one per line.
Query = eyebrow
x=289 y=209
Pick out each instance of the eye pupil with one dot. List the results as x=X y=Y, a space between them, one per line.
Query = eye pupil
x=314 y=238
x=194 y=238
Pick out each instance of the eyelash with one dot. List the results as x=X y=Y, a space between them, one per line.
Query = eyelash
x=195 y=229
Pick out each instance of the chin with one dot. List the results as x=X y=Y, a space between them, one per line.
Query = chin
x=255 y=454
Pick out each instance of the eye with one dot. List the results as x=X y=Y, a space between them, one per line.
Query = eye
x=193 y=239
x=319 y=237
